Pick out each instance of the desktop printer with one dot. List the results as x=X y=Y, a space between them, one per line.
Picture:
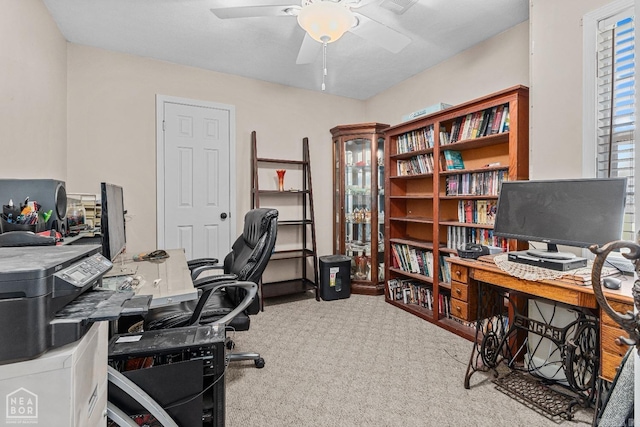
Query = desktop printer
x=47 y=297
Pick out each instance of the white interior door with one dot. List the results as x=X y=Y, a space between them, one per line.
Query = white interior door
x=195 y=182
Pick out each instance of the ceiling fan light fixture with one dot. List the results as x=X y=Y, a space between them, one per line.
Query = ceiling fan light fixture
x=325 y=21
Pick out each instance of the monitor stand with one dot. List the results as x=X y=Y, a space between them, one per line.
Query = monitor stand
x=550 y=253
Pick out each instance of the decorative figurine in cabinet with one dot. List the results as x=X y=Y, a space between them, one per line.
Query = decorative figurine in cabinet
x=358 y=205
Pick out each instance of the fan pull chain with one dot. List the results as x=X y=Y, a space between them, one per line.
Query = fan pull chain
x=324 y=62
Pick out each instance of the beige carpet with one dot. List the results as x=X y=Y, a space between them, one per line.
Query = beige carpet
x=362 y=362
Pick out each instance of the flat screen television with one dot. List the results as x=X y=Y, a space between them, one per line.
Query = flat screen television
x=112 y=225
x=571 y=212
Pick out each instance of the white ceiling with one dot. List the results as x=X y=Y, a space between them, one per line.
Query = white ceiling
x=265 y=48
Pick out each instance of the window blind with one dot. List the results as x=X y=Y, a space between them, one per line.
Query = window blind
x=616 y=105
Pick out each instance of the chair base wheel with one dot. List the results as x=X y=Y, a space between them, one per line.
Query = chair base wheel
x=230 y=345
x=259 y=363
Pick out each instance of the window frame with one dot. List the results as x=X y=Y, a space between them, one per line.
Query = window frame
x=590 y=96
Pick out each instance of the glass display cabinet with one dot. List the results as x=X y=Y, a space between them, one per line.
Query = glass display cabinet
x=358 y=205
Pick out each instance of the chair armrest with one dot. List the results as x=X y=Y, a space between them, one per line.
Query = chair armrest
x=140 y=396
x=197 y=266
x=251 y=290
x=201 y=261
x=214 y=279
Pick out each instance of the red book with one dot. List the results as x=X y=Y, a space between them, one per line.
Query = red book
x=468 y=211
x=495 y=128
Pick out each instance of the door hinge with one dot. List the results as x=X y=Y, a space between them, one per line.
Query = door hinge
x=163 y=128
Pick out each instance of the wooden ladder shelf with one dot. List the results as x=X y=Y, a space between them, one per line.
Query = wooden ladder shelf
x=303 y=258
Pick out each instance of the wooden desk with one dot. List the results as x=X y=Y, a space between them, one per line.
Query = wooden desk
x=168 y=281
x=467 y=274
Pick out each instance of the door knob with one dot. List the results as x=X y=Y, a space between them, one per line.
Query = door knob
x=223 y=215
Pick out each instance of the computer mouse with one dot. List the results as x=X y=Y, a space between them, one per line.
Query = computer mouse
x=612 y=282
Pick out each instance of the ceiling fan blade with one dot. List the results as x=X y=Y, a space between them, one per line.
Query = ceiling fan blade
x=254 y=11
x=378 y=33
x=357 y=4
x=309 y=50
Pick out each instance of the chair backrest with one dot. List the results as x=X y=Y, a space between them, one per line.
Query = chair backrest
x=251 y=251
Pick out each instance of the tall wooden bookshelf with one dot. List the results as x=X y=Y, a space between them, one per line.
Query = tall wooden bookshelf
x=432 y=209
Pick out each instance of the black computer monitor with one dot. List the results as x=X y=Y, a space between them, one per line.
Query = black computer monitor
x=112 y=225
x=571 y=212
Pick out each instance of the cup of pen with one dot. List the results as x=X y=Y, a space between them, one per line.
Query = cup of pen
x=13 y=219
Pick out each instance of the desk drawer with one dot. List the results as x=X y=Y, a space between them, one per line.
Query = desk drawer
x=460 y=309
x=609 y=365
x=459 y=273
x=608 y=337
x=617 y=306
x=460 y=291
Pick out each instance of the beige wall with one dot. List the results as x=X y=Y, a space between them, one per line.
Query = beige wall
x=492 y=65
x=33 y=92
x=556 y=86
x=112 y=130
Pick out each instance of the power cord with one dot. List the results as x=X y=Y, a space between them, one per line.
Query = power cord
x=195 y=396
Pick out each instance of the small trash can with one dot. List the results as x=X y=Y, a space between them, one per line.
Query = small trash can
x=335 y=277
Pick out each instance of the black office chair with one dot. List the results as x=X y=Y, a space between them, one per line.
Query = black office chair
x=230 y=297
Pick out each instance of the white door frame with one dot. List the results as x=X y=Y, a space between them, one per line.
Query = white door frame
x=160 y=185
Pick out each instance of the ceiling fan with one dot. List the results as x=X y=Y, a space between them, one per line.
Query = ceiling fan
x=324 y=21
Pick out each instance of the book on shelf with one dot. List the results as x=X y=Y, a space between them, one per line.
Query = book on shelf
x=406 y=295
x=415 y=268
x=491 y=118
x=468 y=209
x=483 y=122
x=445 y=268
x=444 y=136
x=504 y=121
x=455 y=128
x=477 y=116
x=453 y=160
x=395 y=262
x=444 y=303
x=495 y=128
x=466 y=126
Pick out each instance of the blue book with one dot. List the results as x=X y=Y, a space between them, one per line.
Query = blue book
x=453 y=160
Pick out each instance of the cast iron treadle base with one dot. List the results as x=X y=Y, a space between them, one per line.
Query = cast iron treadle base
x=537 y=395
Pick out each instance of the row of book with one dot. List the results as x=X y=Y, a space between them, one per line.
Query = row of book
x=416 y=140
x=475 y=125
x=476 y=183
x=419 y=261
x=496 y=324
x=411 y=291
x=411 y=259
x=416 y=165
x=414 y=292
x=424 y=163
x=459 y=235
x=477 y=211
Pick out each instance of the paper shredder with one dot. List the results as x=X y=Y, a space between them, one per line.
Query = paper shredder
x=335 y=277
